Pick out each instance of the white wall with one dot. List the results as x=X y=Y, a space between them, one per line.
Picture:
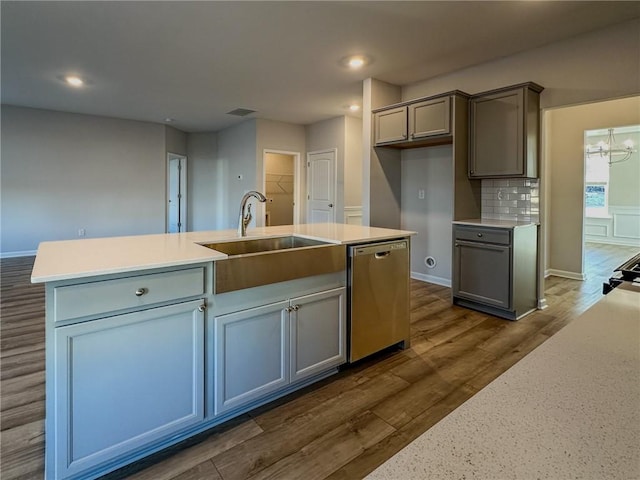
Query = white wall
x=205 y=182
x=62 y=172
x=237 y=157
x=175 y=140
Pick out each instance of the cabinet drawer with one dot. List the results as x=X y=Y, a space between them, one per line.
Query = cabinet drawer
x=75 y=301
x=485 y=235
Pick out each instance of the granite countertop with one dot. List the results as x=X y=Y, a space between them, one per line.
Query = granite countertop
x=569 y=409
x=69 y=259
x=493 y=223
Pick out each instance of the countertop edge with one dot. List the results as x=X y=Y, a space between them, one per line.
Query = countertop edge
x=76 y=259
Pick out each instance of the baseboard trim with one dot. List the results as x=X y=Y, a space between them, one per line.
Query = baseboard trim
x=444 y=282
x=565 y=274
x=25 y=253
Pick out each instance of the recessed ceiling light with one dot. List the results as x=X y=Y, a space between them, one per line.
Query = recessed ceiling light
x=169 y=120
x=355 y=62
x=354 y=107
x=74 y=81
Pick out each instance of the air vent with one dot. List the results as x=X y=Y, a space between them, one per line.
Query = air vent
x=241 y=112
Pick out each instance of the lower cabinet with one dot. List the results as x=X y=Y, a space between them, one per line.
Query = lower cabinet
x=261 y=350
x=124 y=382
x=495 y=269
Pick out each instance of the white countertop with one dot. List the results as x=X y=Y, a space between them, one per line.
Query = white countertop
x=569 y=409
x=69 y=259
x=493 y=223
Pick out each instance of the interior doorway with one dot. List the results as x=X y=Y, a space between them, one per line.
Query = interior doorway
x=281 y=187
x=176 y=193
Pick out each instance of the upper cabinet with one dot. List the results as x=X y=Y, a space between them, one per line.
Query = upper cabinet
x=390 y=125
x=428 y=118
x=504 y=132
x=414 y=124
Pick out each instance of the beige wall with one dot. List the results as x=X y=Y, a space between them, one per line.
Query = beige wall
x=564 y=174
x=353 y=162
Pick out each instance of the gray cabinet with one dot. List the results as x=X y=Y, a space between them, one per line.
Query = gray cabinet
x=504 y=132
x=124 y=382
x=318 y=333
x=430 y=117
x=414 y=124
x=390 y=125
x=275 y=345
x=494 y=269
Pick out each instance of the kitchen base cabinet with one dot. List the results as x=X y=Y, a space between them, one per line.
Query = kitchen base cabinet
x=318 y=333
x=124 y=382
x=260 y=351
x=494 y=269
x=251 y=355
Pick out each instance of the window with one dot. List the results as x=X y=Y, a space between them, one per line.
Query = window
x=596 y=185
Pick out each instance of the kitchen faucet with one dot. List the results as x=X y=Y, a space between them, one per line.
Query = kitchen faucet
x=244 y=219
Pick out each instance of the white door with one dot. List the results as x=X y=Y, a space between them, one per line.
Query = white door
x=321 y=186
x=176 y=193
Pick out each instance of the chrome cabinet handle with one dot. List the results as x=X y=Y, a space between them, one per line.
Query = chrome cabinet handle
x=288 y=309
x=331 y=205
x=202 y=308
x=296 y=308
x=141 y=291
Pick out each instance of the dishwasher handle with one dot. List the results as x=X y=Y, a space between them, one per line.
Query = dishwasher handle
x=379 y=250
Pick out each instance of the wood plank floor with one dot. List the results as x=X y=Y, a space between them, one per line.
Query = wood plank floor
x=341 y=428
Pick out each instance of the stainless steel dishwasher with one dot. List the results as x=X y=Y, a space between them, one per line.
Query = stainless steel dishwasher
x=378 y=297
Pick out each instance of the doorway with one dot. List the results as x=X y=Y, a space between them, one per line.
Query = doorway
x=321 y=186
x=565 y=181
x=281 y=187
x=176 y=193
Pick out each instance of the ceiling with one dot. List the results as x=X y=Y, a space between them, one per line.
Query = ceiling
x=196 y=61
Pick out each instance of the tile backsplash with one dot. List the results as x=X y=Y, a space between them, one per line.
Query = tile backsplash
x=511 y=199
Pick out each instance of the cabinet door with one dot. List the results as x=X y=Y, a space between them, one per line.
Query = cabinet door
x=497 y=138
x=124 y=382
x=482 y=273
x=318 y=333
x=390 y=125
x=251 y=355
x=429 y=118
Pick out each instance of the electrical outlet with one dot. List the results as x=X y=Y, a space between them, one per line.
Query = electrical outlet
x=421 y=194
x=82 y=232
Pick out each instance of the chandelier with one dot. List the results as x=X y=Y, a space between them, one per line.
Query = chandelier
x=610 y=150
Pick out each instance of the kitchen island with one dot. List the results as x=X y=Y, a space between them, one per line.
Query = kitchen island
x=147 y=346
x=569 y=409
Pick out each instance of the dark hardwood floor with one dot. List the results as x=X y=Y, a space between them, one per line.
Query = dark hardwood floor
x=341 y=428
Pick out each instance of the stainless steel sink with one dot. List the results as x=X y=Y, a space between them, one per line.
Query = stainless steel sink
x=262 y=245
x=257 y=262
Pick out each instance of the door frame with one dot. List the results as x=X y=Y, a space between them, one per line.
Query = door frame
x=183 y=190
x=297 y=194
x=335 y=178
